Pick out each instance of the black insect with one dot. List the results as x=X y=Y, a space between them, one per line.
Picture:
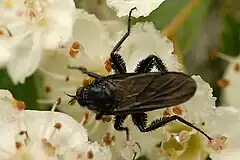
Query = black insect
x=124 y=94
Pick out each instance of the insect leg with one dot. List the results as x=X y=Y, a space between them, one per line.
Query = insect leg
x=119 y=119
x=118 y=64
x=161 y=122
x=147 y=64
x=85 y=71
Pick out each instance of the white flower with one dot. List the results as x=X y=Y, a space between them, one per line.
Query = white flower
x=144 y=7
x=184 y=143
x=96 y=43
x=43 y=135
x=40 y=24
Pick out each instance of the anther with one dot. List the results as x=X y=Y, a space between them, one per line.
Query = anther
x=90 y=154
x=48 y=147
x=108 y=65
x=237 y=67
x=20 y=105
x=222 y=83
x=75 y=48
x=18 y=145
x=57 y=126
x=48 y=89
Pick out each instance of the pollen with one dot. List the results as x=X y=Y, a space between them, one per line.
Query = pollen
x=90 y=154
x=108 y=140
x=75 y=48
x=1 y=33
x=108 y=65
x=58 y=125
x=18 y=145
x=177 y=110
x=237 y=67
x=20 y=105
x=222 y=83
x=166 y=113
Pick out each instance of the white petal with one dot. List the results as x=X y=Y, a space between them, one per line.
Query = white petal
x=5 y=54
x=26 y=58
x=226 y=155
x=144 y=7
x=230 y=93
x=203 y=100
x=92 y=36
x=144 y=40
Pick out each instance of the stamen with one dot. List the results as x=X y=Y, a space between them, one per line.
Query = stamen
x=19 y=105
x=48 y=147
x=106 y=119
x=108 y=140
x=48 y=89
x=237 y=67
x=57 y=127
x=57 y=76
x=18 y=145
x=85 y=118
x=48 y=119
x=222 y=83
x=75 y=48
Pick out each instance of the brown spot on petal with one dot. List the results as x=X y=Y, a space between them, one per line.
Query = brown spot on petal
x=90 y=155
x=108 y=65
x=237 y=67
x=1 y=33
x=20 y=105
x=222 y=83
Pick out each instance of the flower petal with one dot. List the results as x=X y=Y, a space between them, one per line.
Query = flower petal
x=144 y=40
x=26 y=58
x=144 y=7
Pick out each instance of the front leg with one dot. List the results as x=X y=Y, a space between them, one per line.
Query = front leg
x=117 y=62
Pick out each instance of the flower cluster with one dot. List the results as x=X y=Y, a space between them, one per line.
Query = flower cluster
x=28 y=134
x=49 y=35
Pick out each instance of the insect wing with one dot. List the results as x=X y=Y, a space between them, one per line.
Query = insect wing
x=154 y=90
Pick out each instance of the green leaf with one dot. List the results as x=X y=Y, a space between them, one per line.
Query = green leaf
x=26 y=92
x=231 y=37
x=165 y=13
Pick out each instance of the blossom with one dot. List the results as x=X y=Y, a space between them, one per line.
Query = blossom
x=37 y=25
x=182 y=142
x=45 y=135
x=93 y=49
x=144 y=7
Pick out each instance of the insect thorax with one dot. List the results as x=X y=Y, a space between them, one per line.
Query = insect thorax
x=97 y=97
